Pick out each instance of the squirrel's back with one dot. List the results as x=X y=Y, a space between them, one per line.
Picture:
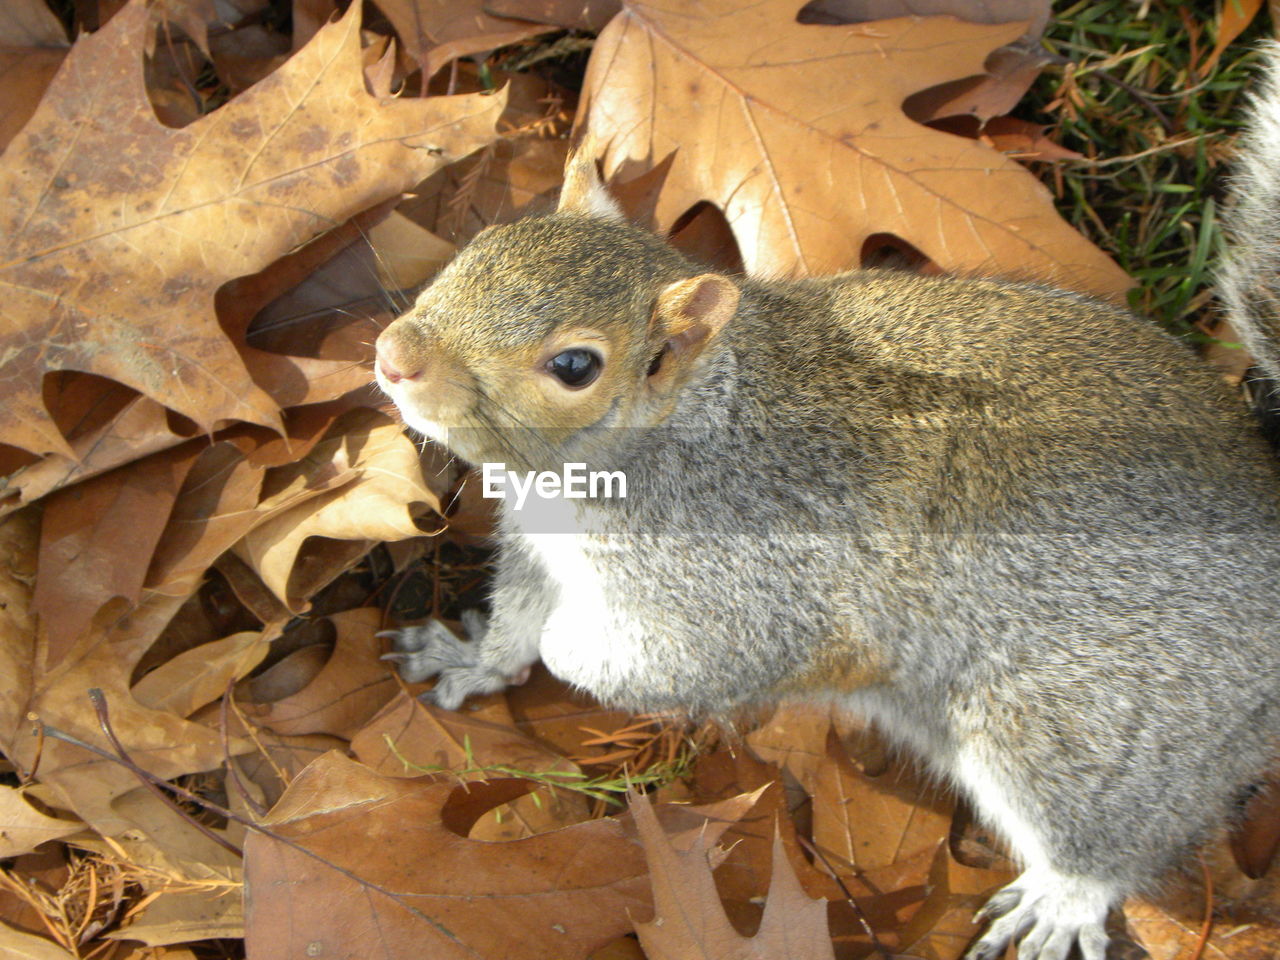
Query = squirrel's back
x=1024 y=394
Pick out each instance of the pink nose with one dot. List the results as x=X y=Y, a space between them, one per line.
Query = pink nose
x=392 y=367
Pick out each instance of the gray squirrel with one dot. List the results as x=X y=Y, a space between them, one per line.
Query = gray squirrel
x=1030 y=536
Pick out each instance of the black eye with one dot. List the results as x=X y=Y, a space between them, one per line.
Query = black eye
x=575 y=368
x=656 y=364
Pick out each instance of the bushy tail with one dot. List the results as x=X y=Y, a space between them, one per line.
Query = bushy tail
x=1249 y=278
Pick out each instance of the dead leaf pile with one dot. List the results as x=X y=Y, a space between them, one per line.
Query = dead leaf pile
x=207 y=513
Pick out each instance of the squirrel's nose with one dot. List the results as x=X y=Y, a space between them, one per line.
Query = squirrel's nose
x=391 y=365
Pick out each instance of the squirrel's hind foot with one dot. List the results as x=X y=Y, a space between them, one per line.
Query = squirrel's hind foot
x=432 y=650
x=1049 y=913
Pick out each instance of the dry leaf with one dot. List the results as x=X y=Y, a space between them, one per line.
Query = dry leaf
x=1034 y=12
x=1234 y=18
x=408 y=736
x=149 y=953
x=942 y=928
x=30 y=23
x=1007 y=73
x=807 y=180
x=411 y=887
x=184 y=917
x=23 y=827
x=32 y=46
x=409 y=733
x=552 y=713
x=351 y=687
x=363 y=485
x=200 y=675
x=744 y=875
x=54 y=690
x=1025 y=140
x=106 y=425
x=97 y=539
x=106 y=263
x=588 y=15
x=17 y=945
x=859 y=821
x=437 y=31
x=1245 y=913
x=690 y=921
x=160 y=839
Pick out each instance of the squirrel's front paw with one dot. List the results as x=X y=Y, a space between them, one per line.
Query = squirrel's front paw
x=432 y=649
x=1050 y=913
x=422 y=652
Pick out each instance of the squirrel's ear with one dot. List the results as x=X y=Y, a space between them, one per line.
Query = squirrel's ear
x=693 y=311
x=582 y=191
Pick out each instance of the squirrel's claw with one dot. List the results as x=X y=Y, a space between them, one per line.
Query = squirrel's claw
x=432 y=650
x=422 y=652
x=1049 y=914
x=1001 y=902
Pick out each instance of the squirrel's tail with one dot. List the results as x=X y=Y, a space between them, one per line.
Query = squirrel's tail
x=1249 y=278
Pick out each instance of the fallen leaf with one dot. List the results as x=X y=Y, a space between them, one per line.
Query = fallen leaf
x=23 y=827
x=150 y=953
x=247 y=55
x=1234 y=17
x=185 y=916
x=410 y=887
x=1007 y=73
x=1025 y=140
x=362 y=485
x=54 y=691
x=1034 y=12
x=1245 y=913
x=106 y=425
x=408 y=733
x=220 y=198
x=859 y=821
x=17 y=945
x=30 y=23
x=942 y=928
x=437 y=31
x=689 y=919
x=158 y=837
x=33 y=44
x=409 y=738
x=351 y=687
x=806 y=180
x=553 y=713
x=200 y=675
x=588 y=15
x=97 y=538
x=517 y=176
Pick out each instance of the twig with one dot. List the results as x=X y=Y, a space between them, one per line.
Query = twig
x=147 y=779
x=1129 y=158
x=1124 y=85
x=232 y=770
x=876 y=945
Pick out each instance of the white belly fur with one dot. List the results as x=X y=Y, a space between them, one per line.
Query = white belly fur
x=583 y=641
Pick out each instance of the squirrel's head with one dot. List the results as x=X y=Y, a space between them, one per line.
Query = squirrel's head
x=547 y=340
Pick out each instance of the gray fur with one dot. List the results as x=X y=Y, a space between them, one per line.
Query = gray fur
x=1029 y=535
x=1249 y=279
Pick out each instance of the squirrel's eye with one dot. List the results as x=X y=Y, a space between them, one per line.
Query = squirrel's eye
x=575 y=368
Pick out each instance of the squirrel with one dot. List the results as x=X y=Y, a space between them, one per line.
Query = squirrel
x=1026 y=533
